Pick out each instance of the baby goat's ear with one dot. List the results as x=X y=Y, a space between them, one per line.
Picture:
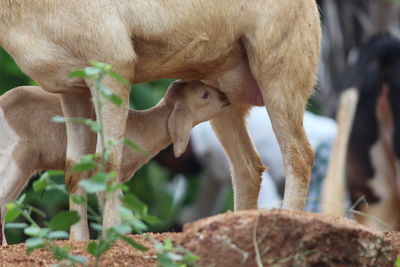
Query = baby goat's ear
x=179 y=125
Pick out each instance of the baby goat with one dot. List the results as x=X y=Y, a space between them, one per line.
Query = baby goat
x=30 y=142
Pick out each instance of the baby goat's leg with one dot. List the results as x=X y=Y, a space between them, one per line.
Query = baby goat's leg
x=79 y=143
x=230 y=127
x=114 y=123
x=13 y=178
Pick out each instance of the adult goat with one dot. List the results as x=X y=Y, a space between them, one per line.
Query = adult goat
x=256 y=52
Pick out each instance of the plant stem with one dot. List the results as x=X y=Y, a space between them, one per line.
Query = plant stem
x=99 y=105
x=27 y=216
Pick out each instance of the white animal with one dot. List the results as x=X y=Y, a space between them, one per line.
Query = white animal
x=30 y=142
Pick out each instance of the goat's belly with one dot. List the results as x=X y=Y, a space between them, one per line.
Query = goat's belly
x=195 y=60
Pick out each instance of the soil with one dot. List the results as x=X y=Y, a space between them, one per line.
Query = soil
x=120 y=255
x=203 y=237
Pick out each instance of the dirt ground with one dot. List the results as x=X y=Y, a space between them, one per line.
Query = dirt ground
x=120 y=255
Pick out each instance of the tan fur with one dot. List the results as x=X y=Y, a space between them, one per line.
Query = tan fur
x=233 y=45
x=42 y=143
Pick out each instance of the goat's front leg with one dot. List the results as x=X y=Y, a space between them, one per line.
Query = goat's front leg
x=80 y=142
x=114 y=123
x=247 y=167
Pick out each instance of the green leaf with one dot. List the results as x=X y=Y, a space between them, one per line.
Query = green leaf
x=96 y=226
x=42 y=183
x=132 y=202
x=12 y=212
x=58 y=187
x=94 y=126
x=133 y=243
x=78 y=74
x=63 y=220
x=119 y=77
x=151 y=219
x=85 y=165
x=77 y=258
x=128 y=217
x=398 y=262
x=15 y=225
x=103 y=177
x=89 y=157
x=91 y=71
x=32 y=230
x=189 y=258
x=174 y=256
x=78 y=199
x=113 y=98
x=101 y=65
x=165 y=261
x=136 y=147
x=114 y=186
x=58 y=235
x=168 y=245
x=59 y=119
x=53 y=173
x=91 y=187
x=102 y=246
x=112 y=142
x=122 y=229
x=98 y=183
x=34 y=243
x=60 y=253
x=92 y=247
x=21 y=199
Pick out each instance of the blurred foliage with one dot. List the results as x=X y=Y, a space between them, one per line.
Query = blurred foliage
x=10 y=74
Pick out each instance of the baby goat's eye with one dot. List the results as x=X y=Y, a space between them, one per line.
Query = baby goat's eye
x=205 y=95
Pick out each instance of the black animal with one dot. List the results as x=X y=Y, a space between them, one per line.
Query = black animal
x=373 y=157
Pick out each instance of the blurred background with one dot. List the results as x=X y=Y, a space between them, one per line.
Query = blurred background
x=177 y=191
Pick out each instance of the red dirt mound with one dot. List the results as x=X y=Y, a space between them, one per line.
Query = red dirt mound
x=279 y=237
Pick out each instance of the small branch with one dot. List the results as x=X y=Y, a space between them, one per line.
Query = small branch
x=256 y=249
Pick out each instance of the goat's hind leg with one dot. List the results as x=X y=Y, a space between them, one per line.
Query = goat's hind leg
x=284 y=69
x=287 y=121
